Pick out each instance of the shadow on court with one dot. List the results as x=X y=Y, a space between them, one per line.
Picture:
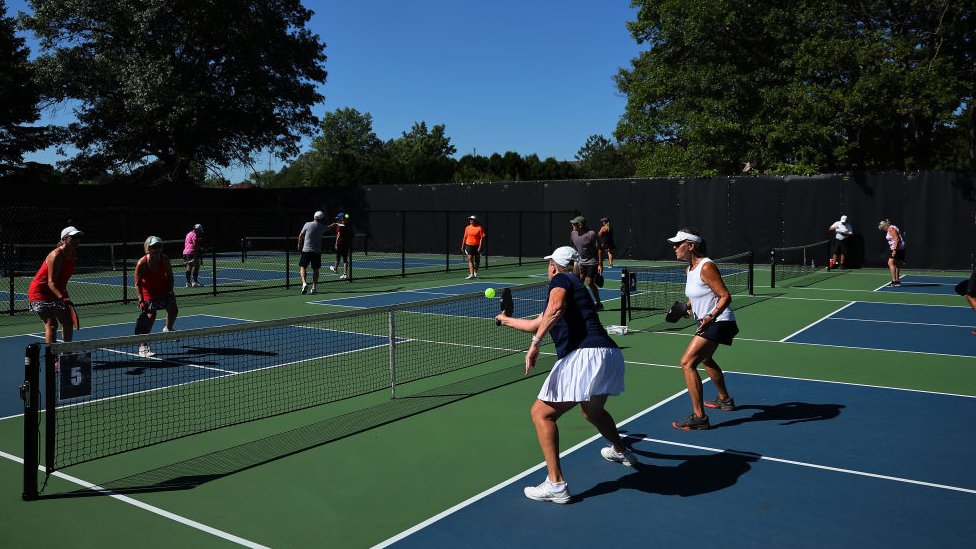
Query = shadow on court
x=196 y=471
x=695 y=475
x=787 y=413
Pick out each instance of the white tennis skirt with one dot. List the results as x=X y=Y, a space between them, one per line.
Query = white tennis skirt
x=583 y=373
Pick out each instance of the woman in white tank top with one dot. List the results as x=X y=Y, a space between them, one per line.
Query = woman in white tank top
x=710 y=301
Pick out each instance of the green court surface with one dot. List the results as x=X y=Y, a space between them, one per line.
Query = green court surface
x=360 y=471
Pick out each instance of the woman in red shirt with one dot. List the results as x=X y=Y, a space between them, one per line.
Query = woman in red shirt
x=48 y=292
x=154 y=285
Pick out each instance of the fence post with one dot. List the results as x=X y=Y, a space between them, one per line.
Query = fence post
x=392 y=346
x=772 y=268
x=31 y=395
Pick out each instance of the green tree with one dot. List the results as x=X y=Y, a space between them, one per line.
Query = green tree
x=346 y=131
x=424 y=156
x=19 y=99
x=797 y=86
x=601 y=158
x=163 y=85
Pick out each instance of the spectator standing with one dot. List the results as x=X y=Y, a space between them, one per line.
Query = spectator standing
x=584 y=240
x=193 y=255
x=842 y=233
x=471 y=245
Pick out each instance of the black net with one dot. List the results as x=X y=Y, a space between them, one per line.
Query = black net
x=652 y=290
x=114 y=395
x=798 y=261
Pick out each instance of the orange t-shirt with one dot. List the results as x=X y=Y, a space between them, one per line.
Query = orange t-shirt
x=473 y=235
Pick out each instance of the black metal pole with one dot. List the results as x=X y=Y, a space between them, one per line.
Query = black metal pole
x=31 y=395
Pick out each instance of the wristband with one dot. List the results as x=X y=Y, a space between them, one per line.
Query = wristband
x=536 y=339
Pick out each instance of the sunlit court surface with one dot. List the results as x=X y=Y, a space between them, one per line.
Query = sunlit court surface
x=851 y=416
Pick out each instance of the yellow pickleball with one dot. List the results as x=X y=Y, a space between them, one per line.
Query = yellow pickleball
x=490 y=293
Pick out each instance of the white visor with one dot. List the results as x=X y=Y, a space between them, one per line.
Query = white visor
x=682 y=236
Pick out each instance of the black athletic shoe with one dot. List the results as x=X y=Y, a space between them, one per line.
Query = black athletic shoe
x=691 y=423
x=727 y=404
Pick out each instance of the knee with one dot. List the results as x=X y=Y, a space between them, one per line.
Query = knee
x=688 y=363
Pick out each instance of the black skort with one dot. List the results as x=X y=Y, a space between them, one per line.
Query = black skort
x=720 y=331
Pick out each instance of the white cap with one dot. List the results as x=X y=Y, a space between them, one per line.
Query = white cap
x=70 y=231
x=472 y=217
x=682 y=236
x=843 y=219
x=319 y=215
x=198 y=227
x=563 y=255
x=153 y=240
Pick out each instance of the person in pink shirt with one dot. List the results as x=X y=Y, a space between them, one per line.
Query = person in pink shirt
x=193 y=255
x=896 y=243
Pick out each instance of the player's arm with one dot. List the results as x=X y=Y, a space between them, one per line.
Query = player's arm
x=711 y=276
x=301 y=239
x=137 y=275
x=481 y=242
x=895 y=241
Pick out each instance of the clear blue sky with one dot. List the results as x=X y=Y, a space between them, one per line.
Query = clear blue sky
x=530 y=76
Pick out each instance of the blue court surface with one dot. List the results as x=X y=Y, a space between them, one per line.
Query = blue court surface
x=12 y=375
x=895 y=327
x=925 y=284
x=410 y=296
x=797 y=464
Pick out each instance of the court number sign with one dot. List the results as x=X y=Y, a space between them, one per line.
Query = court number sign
x=74 y=372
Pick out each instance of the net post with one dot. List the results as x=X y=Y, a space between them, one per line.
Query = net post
x=50 y=408
x=125 y=274
x=624 y=292
x=752 y=273
x=391 y=324
x=213 y=268
x=31 y=396
x=772 y=268
x=403 y=243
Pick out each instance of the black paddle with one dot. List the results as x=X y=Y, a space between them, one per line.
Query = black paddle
x=508 y=306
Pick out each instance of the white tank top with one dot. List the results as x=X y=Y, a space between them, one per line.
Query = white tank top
x=703 y=299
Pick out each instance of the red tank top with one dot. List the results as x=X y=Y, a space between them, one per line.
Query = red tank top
x=39 y=290
x=155 y=284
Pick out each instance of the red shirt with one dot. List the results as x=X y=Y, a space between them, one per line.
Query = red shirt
x=155 y=283
x=39 y=290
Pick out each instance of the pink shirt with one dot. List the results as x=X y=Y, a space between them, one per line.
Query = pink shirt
x=891 y=241
x=190 y=244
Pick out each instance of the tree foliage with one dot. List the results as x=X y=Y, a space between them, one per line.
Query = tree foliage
x=800 y=86
x=163 y=85
x=19 y=99
x=601 y=158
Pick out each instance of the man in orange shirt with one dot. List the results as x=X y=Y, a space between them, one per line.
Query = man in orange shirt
x=471 y=243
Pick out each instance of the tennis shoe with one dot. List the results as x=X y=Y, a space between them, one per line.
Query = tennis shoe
x=469 y=277
x=144 y=352
x=343 y=277
x=727 y=404
x=304 y=288
x=189 y=285
x=332 y=268
x=692 y=423
x=166 y=329
x=548 y=491
x=313 y=291
x=476 y=275
x=625 y=458
x=196 y=284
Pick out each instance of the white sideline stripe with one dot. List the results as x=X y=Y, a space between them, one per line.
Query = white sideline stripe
x=901 y=322
x=815 y=322
x=147 y=507
x=497 y=487
x=815 y=466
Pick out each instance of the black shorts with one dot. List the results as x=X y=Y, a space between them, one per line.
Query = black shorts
x=899 y=255
x=190 y=258
x=588 y=271
x=841 y=247
x=471 y=250
x=159 y=304
x=310 y=258
x=342 y=253
x=967 y=287
x=720 y=331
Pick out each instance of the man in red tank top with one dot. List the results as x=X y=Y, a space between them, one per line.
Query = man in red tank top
x=48 y=292
x=154 y=285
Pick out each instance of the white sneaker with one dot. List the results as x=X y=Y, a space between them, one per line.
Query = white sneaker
x=144 y=351
x=165 y=329
x=312 y=291
x=343 y=277
x=196 y=284
x=476 y=275
x=469 y=277
x=548 y=491
x=332 y=268
x=189 y=284
x=626 y=457
x=304 y=288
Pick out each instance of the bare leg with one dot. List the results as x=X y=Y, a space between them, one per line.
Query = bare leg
x=544 y=416
x=698 y=350
x=717 y=376
x=596 y=414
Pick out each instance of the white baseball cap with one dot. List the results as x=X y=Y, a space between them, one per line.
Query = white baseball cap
x=70 y=231
x=319 y=215
x=153 y=240
x=843 y=219
x=563 y=256
x=682 y=236
x=198 y=227
x=472 y=217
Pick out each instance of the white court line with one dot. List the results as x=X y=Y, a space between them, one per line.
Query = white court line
x=821 y=319
x=147 y=507
x=813 y=465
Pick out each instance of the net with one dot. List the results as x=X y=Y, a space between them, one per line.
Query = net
x=798 y=261
x=646 y=291
x=108 y=396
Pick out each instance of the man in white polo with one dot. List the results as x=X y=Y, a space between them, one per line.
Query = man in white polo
x=842 y=231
